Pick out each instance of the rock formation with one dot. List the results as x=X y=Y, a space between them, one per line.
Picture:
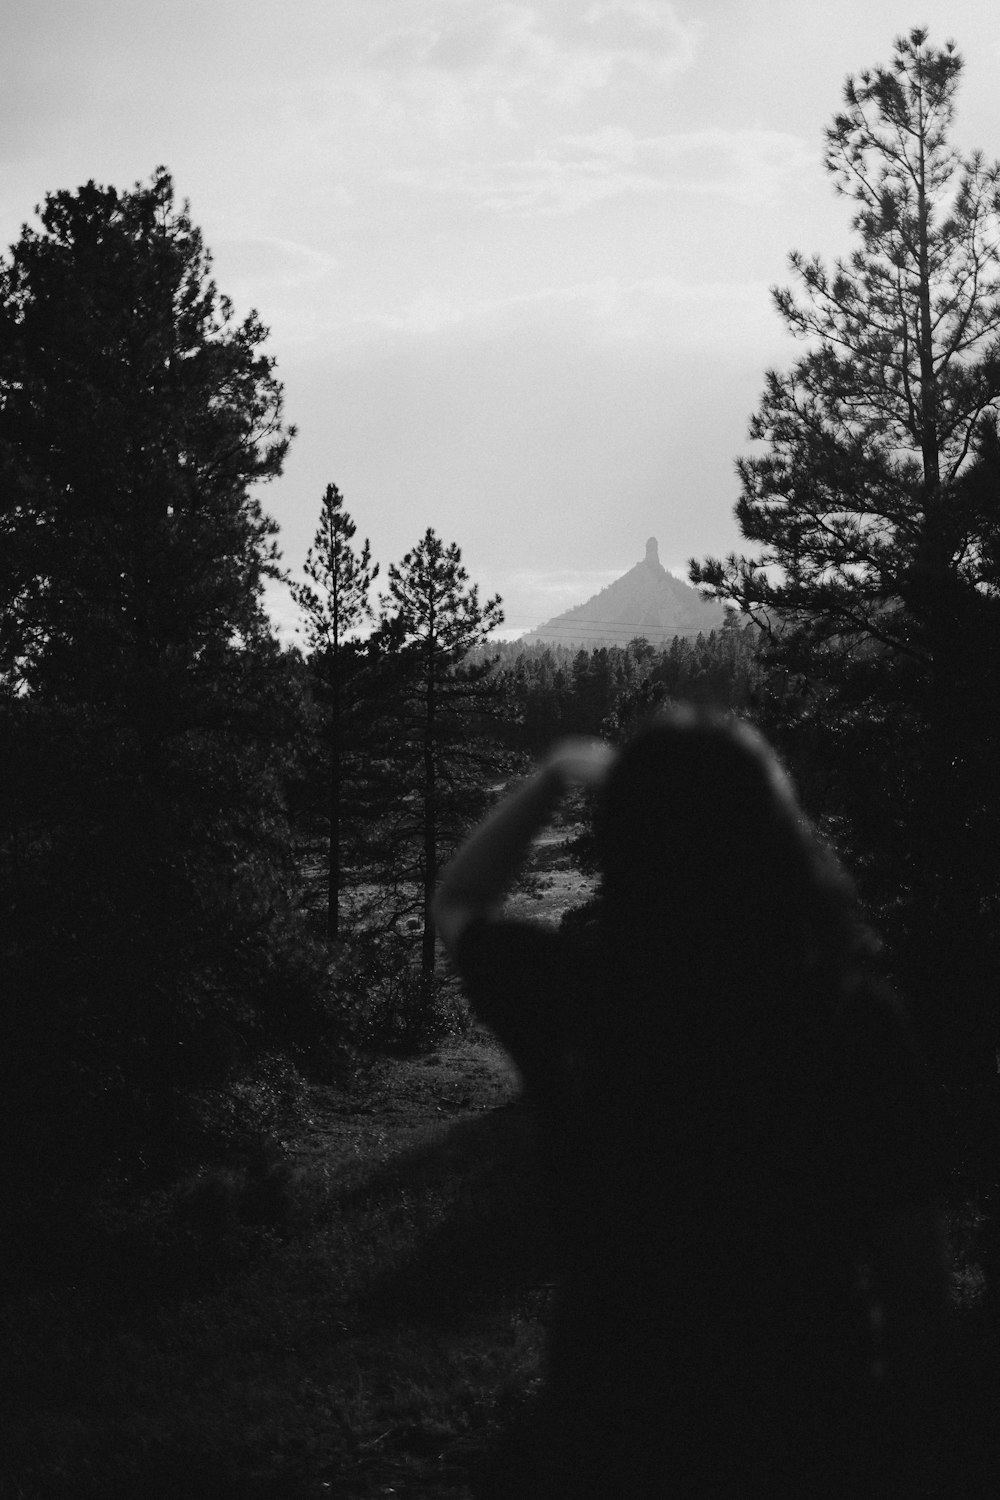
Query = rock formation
x=646 y=601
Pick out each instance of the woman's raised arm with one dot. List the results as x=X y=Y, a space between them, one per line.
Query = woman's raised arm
x=481 y=873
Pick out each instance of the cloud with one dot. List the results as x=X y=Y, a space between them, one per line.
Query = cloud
x=283 y=611
x=609 y=310
x=271 y=274
x=267 y=261
x=558 y=51
x=750 y=167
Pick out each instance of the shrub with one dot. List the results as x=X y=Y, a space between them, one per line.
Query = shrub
x=384 y=1000
x=247 y=1116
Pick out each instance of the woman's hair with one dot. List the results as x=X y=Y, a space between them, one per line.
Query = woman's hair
x=710 y=868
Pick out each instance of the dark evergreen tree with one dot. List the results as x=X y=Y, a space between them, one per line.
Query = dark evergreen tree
x=875 y=568
x=336 y=604
x=440 y=757
x=145 y=872
x=135 y=416
x=539 y=692
x=868 y=432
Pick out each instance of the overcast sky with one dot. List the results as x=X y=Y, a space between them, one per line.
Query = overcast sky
x=515 y=258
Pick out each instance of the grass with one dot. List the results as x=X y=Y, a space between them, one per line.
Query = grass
x=356 y=1319
x=371 y=1342
x=370 y=1345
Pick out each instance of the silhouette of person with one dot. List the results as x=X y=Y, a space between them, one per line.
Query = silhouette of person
x=737 y=1130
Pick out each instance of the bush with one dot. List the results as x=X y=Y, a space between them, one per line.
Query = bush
x=385 y=1002
x=248 y=1115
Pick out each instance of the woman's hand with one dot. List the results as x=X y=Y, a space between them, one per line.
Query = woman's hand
x=577 y=761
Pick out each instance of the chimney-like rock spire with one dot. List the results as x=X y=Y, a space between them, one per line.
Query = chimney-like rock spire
x=646 y=602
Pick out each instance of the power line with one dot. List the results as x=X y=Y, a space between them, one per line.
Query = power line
x=558 y=620
x=627 y=630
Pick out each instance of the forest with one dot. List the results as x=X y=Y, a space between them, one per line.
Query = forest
x=218 y=851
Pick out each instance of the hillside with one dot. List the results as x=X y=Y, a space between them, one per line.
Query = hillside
x=646 y=601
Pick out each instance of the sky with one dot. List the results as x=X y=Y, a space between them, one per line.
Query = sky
x=515 y=257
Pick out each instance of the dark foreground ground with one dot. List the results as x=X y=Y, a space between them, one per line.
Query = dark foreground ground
x=358 y=1320
x=359 y=1313
x=355 y=1321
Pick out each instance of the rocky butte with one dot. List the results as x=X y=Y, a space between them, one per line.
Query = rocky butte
x=646 y=601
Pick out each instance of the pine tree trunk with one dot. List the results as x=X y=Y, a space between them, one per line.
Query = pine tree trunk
x=333 y=850
x=429 y=943
x=929 y=443
x=333 y=808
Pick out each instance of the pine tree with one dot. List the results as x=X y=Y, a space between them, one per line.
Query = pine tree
x=145 y=867
x=432 y=619
x=868 y=432
x=336 y=604
x=135 y=417
x=874 y=567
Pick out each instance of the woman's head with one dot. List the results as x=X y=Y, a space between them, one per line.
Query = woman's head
x=708 y=863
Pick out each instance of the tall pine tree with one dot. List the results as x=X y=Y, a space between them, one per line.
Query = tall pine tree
x=874 y=570
x=868 y=432
x=136 y=415
x=336 y=603
x=440 y=759
x=143 y=693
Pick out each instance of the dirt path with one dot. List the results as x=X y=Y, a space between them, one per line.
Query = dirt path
x=403 y=1105
x=434 y=1253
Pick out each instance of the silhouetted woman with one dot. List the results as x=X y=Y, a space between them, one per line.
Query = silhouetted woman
x=736 y=1129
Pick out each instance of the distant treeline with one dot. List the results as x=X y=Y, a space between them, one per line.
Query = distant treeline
x=609 y=689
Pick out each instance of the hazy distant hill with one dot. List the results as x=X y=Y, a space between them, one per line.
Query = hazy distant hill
x=646 y=601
